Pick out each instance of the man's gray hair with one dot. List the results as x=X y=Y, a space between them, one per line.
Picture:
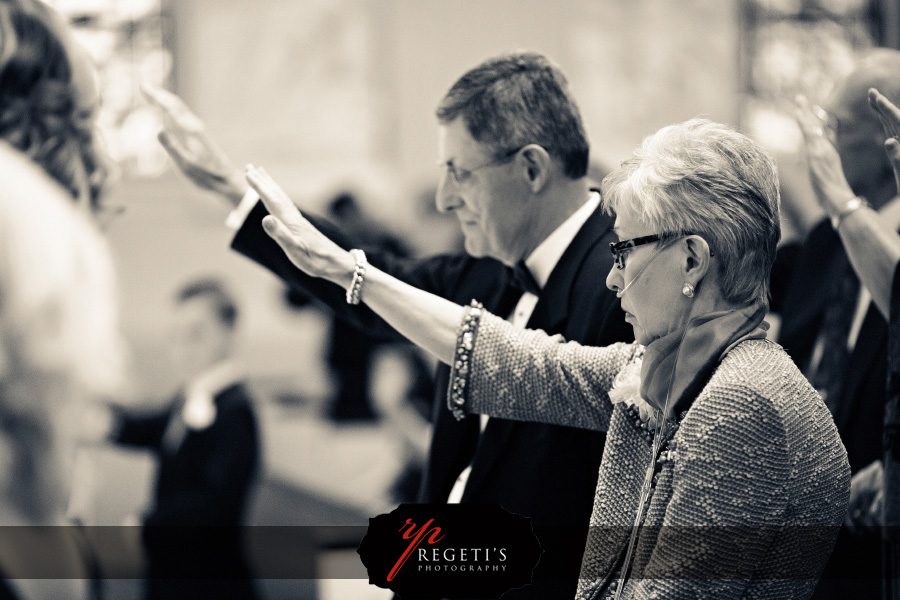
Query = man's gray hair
x=707 y=179
x=516 y=99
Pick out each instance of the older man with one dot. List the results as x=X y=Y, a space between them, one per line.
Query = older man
x=515 y=157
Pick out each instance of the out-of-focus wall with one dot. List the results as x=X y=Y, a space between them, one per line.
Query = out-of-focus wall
x=341 y=93
x=321 y=90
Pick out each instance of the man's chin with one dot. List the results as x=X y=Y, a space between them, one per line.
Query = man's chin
x=474 y=249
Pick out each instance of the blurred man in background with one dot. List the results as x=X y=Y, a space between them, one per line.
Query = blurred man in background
x=831 y=328
x=207 y=443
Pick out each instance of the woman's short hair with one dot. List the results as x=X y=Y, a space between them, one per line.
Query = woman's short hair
x=43 y=112
x=58 y=314
x=516 y=99
x=707 y=179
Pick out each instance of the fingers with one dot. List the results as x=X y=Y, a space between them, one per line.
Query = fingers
x=273 y=197
x=279 y=232
x=887 y=112
x=175 y=111
x=892 y=147
x=809 y=121
x=172 y=147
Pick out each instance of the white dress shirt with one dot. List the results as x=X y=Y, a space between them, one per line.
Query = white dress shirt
x=540 y=263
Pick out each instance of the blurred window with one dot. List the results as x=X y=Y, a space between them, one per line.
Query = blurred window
x=130 y=43
x=791 y=47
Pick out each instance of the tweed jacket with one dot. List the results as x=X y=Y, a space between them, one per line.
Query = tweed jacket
x=749 y=494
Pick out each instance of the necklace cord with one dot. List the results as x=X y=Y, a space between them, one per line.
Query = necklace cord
x=659 y=434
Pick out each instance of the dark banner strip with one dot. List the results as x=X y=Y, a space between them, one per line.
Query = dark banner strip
x=310 y=552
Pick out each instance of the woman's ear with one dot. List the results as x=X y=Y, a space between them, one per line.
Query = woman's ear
x=696 y=260
x=536 y=163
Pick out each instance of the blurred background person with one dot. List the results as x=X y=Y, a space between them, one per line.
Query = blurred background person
x=830 y=326
x=873 y=246
x=59 y=349
x=208 y=447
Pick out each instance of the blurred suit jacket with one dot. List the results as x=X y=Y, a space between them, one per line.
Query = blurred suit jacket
x=192 y=533
x=802 y=277
x=545 y=472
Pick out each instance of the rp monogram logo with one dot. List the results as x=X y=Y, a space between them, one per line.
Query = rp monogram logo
x=416 y=537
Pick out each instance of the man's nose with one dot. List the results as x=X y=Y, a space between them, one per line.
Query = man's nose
x=446 y=198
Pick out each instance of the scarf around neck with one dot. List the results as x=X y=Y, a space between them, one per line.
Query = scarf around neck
x=687 y=357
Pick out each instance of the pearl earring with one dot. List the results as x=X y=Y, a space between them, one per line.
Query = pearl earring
x=688 y=289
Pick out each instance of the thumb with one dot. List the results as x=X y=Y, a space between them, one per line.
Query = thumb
x=279 y=232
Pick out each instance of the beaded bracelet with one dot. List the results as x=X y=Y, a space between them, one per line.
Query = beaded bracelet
x=465 y=342
x=354 y=292
x=851 y=207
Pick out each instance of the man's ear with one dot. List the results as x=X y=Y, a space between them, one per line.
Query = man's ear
x=536 y=164
x=697 y=256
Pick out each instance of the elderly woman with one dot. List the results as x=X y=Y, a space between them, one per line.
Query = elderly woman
x=717 y=445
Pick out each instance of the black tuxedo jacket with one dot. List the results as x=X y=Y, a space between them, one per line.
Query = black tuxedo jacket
x=207 y=480
x=545 y=472
x=801 y=281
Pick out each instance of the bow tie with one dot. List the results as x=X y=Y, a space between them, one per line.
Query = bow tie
x=523 y=280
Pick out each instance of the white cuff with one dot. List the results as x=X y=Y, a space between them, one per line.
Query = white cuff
x=237 y=216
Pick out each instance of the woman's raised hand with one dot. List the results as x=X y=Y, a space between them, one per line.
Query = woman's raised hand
x=308 y=248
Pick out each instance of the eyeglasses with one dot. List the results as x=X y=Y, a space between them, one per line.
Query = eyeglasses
x=621 y=249
x=460 y=175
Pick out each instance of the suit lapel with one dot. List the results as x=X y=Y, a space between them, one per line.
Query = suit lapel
x=552 y=311
x=818 y=268
x=550 y=314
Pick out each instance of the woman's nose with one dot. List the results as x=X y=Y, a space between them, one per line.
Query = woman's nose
x=614 y=279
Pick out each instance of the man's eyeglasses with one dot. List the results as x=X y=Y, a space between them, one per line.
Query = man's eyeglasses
x=461 y=175
x=621 y=249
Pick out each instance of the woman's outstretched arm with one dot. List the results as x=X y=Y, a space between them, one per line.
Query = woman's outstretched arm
x=427 y=320
x=514 y=374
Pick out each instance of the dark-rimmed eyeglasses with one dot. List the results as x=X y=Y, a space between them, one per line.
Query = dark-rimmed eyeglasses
x=461 y=175
x=621 y=249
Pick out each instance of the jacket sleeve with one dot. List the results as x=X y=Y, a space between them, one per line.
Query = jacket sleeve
x=141 y=431
x=438 y=275
x=527 y=375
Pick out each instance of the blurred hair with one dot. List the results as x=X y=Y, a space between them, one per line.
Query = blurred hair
x=41 y=112
x=516 y=99
x=58 y=313
x=218 y=295
x=707 y=179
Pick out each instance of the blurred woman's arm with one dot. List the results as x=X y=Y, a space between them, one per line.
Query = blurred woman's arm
x=872 y=245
